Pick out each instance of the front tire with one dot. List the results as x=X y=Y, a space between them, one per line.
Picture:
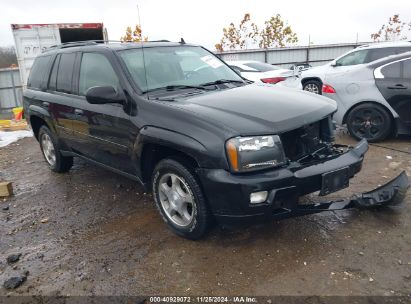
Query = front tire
x=180 y=200
x=51 y=151
x=370 y=121
x=313 y=86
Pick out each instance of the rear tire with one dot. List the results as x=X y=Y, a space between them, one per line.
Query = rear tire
x=313 y=86
x=51 y=151
x=180 y=200
x=370 y=121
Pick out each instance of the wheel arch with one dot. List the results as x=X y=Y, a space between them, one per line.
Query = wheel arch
x=154 y=144
x=306 y=79
x=36 y=122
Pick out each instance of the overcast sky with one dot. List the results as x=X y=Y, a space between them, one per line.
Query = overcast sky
x=201 y=22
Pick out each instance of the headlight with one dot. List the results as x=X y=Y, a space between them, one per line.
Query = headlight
x=255 y=153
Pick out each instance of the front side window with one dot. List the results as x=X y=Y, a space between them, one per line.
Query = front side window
x=392 y=70
x=174 y=65
x=354 y=58
x=96 y=70
x=38 y=72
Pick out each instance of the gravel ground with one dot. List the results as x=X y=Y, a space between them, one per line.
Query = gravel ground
x=92 y=232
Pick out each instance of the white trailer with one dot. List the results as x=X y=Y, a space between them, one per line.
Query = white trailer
x=32 y=39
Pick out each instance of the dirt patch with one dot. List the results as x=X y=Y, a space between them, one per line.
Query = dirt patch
x=93 y=232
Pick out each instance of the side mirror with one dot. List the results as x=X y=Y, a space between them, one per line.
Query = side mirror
x=102 y=95
x=334 y=63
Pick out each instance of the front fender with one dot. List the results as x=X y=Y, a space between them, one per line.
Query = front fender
x=177 y=141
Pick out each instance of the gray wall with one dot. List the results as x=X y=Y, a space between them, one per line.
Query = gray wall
x=285 y=57
x=11 y=93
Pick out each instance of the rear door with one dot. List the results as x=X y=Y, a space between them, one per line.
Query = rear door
x=102 y=132
x=59 y=97
x=394 y=82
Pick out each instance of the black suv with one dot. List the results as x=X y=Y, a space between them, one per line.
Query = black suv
x=206 y=142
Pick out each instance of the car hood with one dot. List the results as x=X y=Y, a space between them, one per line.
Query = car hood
x=259 y=108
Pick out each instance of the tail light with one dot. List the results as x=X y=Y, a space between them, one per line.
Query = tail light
x=273 y=80
x=328 y=89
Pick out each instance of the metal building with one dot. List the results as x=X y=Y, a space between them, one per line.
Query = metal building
x=11 y=93
x=285 y=57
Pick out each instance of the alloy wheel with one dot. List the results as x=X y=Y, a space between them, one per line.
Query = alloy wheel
x=368 y=123
x=313 y=88
x=48 y=149
x=176 y=199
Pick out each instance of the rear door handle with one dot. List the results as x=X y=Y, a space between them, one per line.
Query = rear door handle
x=78 y=112
x=397 y=87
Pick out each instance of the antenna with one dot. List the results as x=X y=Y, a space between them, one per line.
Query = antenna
x=142 y=50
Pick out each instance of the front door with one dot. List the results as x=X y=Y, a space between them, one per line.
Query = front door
x=394 y=83
x=101 y=131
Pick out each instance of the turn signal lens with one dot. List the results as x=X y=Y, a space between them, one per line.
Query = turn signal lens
x=232 y=155
x=328 y=89
x=273 y=80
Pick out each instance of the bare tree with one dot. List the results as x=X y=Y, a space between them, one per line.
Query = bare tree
x=7 y=57
x=394 y=30
x=241 y=37
x=276 y=32
x=133 y=36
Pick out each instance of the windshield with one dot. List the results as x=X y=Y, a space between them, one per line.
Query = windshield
x=175 y=66
x=261 y=67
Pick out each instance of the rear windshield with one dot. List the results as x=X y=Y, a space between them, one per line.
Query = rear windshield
x=261 y=67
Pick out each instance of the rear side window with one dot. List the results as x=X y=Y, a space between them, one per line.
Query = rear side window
x=261 y=67
x=407 y=68
x=96 y=70
x=53 y=75
x=392 y=71
x=65 y=73
x=376 y=54
x=38 y=72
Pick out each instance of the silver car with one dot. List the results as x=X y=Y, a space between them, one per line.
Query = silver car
x=374 y=100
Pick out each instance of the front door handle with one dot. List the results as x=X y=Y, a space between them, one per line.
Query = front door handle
x=397 y=87
x=78 y=112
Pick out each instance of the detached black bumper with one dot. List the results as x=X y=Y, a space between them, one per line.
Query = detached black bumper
x=229 y=194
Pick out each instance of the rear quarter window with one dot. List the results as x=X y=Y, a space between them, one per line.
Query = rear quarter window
x=407 y=68
x=38 y=72
x=392 y=70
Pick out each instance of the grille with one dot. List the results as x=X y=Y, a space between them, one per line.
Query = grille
x=302 y=141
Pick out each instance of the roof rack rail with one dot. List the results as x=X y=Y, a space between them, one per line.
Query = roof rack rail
x=92 y=42
x=80 y=43
x=161 y=40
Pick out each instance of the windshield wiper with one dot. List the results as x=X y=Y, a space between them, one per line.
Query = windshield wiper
x=221 y=81
x=177 y=87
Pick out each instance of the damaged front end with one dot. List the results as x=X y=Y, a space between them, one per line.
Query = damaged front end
x=389 y=194
x=315 y=164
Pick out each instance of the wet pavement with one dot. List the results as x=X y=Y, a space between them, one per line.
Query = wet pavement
x=93 y=232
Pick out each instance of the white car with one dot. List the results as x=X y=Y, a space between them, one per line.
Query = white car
x=313 y=79
x=263 y=72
